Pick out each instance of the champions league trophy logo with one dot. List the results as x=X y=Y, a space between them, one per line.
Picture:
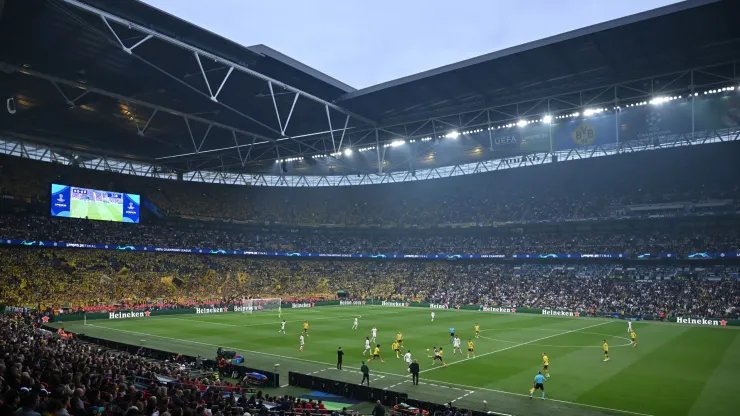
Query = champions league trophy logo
x=653 y=121
x=130 y=205
x=60 y=198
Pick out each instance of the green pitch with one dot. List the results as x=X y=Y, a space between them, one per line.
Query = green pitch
x=676 y=370
x=96 y=210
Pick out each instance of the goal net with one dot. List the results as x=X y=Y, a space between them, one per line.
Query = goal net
x=258 y=305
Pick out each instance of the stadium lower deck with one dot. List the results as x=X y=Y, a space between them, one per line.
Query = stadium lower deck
x=676 y=369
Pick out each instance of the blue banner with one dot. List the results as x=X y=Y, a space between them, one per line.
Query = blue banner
x=600 y=129
x=655 y=122
x=61 y=244
x=529 y=138
x=717 y=112
x=570 y=256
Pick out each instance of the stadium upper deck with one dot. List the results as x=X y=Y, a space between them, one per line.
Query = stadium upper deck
x=99 y=81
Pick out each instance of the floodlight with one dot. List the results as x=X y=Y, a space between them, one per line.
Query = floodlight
x=348 y=152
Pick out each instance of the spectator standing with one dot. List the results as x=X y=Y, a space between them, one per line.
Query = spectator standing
x=378 y=410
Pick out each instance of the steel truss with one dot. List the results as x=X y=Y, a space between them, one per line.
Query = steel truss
x=212 y=92
x=21 y=149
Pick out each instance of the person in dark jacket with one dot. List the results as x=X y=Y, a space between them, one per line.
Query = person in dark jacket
x=340 y=354
x=378 y=410
x=414 y=370
x=365 y=373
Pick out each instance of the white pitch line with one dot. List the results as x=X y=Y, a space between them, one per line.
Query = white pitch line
x=390 y=374
x=263 y=323
x=552 y=400
x=514 y=346
x=225 y=346
x=463 y=396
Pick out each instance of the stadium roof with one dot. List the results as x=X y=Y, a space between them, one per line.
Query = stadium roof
x=126 y=80
x=683 y=35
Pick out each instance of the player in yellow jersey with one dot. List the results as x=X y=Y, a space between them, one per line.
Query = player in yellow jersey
x=634 y=338
x=606 y=350
x=376 y=354
x=471 y=349
x=399 y=338
x=397 y=349
x=439 y=356
x=305 y=328
x=545 y=364
x=477 y=330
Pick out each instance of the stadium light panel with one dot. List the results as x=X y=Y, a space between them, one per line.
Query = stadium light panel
x=521 y=123
x=547 y=119
x=452 y=135
x=348 y=152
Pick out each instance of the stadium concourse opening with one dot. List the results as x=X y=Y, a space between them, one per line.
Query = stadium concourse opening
x=578 y=221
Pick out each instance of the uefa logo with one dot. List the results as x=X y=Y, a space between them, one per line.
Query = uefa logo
x=130 y=205
x=60 y=198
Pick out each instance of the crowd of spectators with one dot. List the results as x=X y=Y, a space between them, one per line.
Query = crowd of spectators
x=43 y=374
x=75 y=278
x=202 y=236
x=557 y=192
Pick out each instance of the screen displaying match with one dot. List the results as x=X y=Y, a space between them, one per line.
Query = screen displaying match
x=92 y=204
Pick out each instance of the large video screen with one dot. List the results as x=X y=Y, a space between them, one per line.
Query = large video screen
x=74 y=202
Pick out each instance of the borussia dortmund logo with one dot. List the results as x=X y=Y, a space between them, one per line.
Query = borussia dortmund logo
x=584 y=135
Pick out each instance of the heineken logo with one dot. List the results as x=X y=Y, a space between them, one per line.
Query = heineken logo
x=245 y=308
x=128 y=315
x=560 y=313
x=438 y=306
x=351 y=302
x=701 y=321
x=301 y=305
x=498 y=309
x=399 y=304
x=211 y=310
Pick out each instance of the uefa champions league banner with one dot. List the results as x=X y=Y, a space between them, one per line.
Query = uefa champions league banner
x=643 y=256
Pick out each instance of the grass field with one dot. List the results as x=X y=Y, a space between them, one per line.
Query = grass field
x=676 y=370
x=96 y=210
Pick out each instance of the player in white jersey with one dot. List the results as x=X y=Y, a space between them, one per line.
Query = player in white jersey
x=375 y=334
x=432 y=316
x=367 y=345
x=354 y=326
x=456 y=345
x=407 y=357
x=282 y=327
x=629 y=327
x=434 y=354
x=302 y=342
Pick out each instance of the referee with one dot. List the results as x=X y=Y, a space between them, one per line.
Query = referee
x=539 y=384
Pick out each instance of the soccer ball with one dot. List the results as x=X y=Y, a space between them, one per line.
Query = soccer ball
x=427 y=349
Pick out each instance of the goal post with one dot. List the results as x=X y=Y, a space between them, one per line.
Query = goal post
x=259 y=305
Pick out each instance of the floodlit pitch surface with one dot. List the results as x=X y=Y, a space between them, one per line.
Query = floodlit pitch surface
x=676 y=370
x=96 y=210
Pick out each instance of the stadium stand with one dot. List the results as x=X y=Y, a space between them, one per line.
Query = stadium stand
x=85 y=379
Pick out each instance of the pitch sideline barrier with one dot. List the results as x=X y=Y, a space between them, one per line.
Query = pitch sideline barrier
x=289 y=305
